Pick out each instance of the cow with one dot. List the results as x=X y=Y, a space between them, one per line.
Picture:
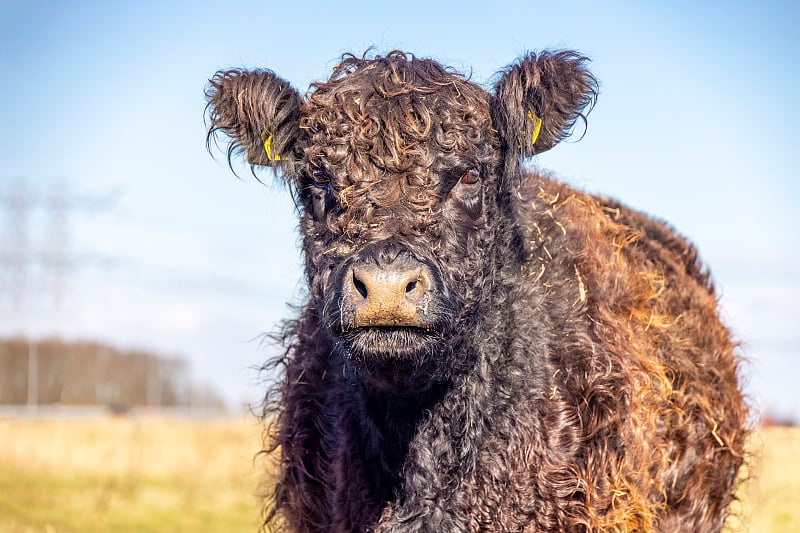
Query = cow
x=482 y=347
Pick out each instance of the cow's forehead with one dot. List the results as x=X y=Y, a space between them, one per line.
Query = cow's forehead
x=398 y=115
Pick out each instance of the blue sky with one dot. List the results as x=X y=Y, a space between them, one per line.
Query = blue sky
x=696 y=123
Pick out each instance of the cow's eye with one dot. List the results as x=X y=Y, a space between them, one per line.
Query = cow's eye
x=471 y=177
x=467 y=194
x=321 y=199
x=319 y=190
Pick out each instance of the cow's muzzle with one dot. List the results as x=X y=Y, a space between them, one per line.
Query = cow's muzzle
x=387 y=294
x=392 y=314
x=386 y=286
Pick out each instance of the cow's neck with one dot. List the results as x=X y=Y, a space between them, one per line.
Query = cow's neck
x=397 y=415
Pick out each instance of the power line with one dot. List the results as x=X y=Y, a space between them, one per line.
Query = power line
x=37 y=255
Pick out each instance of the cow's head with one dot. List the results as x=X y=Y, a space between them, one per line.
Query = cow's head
x=403 y=170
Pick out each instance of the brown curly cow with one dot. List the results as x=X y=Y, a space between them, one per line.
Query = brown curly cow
x=482 y=348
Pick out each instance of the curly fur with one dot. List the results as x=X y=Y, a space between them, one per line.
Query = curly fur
x=575 y=375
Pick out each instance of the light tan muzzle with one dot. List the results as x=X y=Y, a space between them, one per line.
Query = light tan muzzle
x=387 y=295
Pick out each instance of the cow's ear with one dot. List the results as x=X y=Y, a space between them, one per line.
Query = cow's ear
x=258 y=111
x=538 y=99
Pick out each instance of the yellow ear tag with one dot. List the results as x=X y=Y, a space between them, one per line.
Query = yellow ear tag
x=536 y=122
x=268 y=147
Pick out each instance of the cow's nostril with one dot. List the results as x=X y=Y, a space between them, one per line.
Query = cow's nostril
x=360 y=287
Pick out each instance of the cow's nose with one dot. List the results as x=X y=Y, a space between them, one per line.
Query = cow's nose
x=388 y=295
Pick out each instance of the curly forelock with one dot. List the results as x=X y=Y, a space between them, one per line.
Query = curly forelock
x=395 y=113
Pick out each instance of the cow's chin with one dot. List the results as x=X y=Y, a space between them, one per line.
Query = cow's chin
x=396 y=359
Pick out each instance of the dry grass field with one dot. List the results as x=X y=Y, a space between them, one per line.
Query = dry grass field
x=148 y=475
x=129 y=474
x=771 y=502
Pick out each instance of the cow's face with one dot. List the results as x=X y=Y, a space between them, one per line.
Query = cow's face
x=403 y=172
x=399 y=200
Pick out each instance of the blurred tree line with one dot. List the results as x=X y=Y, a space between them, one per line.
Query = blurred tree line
x=51 y=371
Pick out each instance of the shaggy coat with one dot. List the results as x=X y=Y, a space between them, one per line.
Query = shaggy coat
x=549 y=360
